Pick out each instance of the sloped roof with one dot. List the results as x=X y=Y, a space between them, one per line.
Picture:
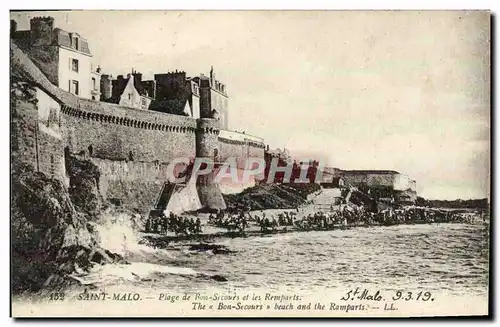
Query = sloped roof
x=60 y=38
x=169 y=106
x=360 y=172
x=63 y=39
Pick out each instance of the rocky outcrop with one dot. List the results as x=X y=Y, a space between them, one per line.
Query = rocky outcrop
x=53 y=227
x=52 y=237
x=84 y=185
x=271 y=196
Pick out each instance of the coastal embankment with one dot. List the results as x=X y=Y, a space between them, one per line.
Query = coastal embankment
x=55 y=229
x=271 y=196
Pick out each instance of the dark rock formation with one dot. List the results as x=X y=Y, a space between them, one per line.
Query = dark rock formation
x=271 y=196
x=84 y=185
x=215 y=248
x=51 y=238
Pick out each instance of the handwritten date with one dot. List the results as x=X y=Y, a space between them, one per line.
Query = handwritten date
x=370 y=295
x=410 y=296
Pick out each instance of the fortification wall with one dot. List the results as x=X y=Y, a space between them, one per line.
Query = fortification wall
x=207 y=143
x=240 y=151
x=111 y=130
x=23 y=124
x=131 y=147
x=240 y=146
x=137 y=185
x=118 y=133
x=35 y=140
x=114 y=170
x=406 y=196
x=51 y=156
x=370 y=179
x=136 y=195
x=114 y=132
x=119 y=137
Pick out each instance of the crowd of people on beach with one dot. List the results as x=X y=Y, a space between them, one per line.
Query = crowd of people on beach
x=176 y=224
x=234 y=221
x=336 y=217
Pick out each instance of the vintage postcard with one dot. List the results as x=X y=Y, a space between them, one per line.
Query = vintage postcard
x=250 y=163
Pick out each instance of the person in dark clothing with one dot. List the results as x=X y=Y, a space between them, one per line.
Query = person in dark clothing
x=198 y=225
x=192 y=226
x=164 y=225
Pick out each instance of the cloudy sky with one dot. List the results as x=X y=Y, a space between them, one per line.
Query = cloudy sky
x=406 y=91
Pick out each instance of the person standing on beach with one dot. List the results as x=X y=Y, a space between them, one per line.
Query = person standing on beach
x=164 y=224
x=198 y=225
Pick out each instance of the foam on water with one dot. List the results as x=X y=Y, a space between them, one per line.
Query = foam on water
x=136 y=271
x=117 y=233
x=389 y=258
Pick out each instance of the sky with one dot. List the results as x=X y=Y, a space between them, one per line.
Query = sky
x=405 y=91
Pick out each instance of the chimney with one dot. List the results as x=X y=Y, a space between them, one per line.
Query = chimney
x=106 y=87
x=13 y=27
x=138 y=77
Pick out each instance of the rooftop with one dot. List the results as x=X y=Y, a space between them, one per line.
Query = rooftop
x=59 y=37
x=382 y=172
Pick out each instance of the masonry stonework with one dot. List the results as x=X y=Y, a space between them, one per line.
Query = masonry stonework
x=127 y=137
x=207 y=146
x=131 y=147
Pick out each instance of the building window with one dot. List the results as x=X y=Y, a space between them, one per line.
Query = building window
x=93 y=98
x=73 y=87
x=143 y=102
x=76 y=44
x=130 y=96
x=74 y=65
x=93 y=84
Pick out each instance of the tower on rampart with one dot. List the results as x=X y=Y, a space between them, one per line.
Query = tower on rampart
x=207 y=147
x=213 y=98
x=41 y=29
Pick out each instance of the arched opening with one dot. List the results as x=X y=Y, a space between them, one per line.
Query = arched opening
x=216 y=155
x=130 y=156
x=91 y=150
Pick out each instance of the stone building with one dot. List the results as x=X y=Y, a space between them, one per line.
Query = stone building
x=132 y=148
x=383 y=183
x=213 y=98
x=197 y=97
x=64 y=57
x=282 y=154
x=127 y=92
x=177 y=93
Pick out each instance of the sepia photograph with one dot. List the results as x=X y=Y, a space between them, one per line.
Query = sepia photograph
x=270 y=163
